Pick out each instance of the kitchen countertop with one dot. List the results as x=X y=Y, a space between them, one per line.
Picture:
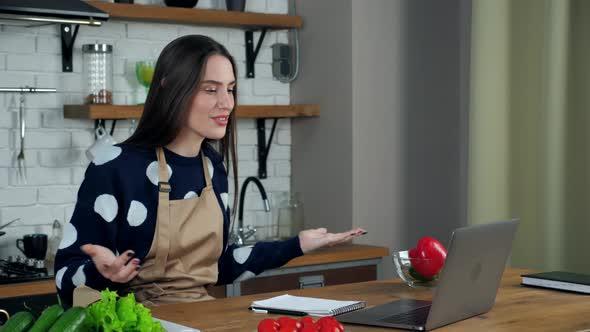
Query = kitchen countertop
x=335 y=254
x=517 y=308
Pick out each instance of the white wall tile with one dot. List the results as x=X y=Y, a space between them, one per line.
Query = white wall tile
x=263 y=70
x=47 y=139
x=269 y=87
x=282 y=168
x=246 y=153
x=33 y=215
x=277 y=7
x=258 y=6
x=48 y=45
x=255 y=100
x=17 y=43
x=282 y=100
x=37 y=176
x=57 y=194
x=62 y=157
x=284 y=137
x=152 y=31
x=55 y=119
x=16 y=79
x=78 y=174
x=280 y=152
x=83 y=139
x=6 y=158
x=4 y=177
x=220 y=35
x=33 y=62
x=4 y=138
x=17 y=196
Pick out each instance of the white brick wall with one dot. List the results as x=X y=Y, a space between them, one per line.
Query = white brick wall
x=55 y=147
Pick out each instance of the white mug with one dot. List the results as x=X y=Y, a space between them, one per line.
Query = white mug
x=103 y=142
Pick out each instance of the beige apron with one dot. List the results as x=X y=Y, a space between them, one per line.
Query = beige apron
x=187 y=244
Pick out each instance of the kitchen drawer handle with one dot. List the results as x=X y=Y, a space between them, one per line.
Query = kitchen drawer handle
x=311 y=281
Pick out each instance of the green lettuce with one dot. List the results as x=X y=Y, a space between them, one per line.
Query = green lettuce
x=121 y=314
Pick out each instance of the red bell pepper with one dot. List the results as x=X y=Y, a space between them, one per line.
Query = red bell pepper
x=428 y=257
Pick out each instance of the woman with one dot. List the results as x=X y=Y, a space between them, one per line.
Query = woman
x=150 y=218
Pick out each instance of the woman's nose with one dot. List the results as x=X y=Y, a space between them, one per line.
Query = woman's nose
x=225 y=100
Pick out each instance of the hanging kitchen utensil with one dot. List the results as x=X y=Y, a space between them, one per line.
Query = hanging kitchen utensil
x=8 y=223
x=22 y=171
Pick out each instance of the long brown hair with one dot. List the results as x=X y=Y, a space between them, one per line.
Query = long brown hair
x=178 y=73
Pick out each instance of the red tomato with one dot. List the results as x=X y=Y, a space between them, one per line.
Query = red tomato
x=268 y=325
x=308 y=329
x=428 y=257
x=288 y=321
x=288 y=329
x=329 y=324
x=306 y=319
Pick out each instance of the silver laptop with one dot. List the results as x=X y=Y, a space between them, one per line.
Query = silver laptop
x=467 y=286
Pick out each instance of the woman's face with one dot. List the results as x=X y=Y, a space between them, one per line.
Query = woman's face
x=212 y=104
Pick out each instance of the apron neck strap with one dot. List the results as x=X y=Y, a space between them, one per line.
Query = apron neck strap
x=206 y=168
x=163 y=186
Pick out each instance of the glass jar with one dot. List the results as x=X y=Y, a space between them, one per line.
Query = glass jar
x=98 y=73
x=290 y=221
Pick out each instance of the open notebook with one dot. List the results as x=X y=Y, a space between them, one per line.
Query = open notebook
x=300 y=305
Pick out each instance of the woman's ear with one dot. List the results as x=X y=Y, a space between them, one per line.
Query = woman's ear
x=163 y=82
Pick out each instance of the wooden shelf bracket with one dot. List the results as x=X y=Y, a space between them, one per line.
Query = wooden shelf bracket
x=251 y=52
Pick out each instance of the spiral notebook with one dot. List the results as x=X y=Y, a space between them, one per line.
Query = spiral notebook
x=301 y=305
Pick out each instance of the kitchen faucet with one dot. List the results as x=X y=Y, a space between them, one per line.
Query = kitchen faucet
x=242 y=234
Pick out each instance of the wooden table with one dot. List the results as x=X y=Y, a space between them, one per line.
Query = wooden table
x=517 y=308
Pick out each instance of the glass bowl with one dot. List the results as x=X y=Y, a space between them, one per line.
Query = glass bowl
x=405 y=269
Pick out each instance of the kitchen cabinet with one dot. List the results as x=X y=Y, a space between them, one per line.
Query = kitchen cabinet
x=328 y=266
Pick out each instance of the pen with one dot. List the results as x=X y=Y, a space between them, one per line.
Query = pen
x=278 y=311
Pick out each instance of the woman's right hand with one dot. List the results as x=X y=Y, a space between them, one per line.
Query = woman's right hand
x=110 y=266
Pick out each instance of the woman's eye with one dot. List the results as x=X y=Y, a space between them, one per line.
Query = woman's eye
x=230 y=90
x=210 y=90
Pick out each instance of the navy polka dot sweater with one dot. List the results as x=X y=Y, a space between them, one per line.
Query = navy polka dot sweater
x=117 y=208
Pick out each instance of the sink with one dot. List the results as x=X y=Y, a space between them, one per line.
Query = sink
x=33 y=303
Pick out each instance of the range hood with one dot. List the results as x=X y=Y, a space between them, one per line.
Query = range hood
x=41 y=12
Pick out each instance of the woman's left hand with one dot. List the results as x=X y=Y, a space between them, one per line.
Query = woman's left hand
x=312 y=239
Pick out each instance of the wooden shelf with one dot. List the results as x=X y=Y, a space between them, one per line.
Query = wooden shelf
x=244 y=111
x=197 y=16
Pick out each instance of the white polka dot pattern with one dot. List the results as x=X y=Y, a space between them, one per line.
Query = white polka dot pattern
x=242 y=254
x=137 y=213
x=59 y=276
x=106 y=206
x=190 y=194
x=210 y=167
x=106 y=154
x=224 y=199
x=79 y=277
x=245 y=276
x=152 y=172
x=70 y=236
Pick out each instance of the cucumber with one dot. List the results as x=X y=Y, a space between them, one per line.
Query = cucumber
x=73 y=320
x=47 y=318
x=19 y=322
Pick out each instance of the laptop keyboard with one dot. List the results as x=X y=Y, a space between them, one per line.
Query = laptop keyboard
x=414 y=317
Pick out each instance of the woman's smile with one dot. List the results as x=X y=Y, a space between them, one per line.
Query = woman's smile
x=220 y=120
